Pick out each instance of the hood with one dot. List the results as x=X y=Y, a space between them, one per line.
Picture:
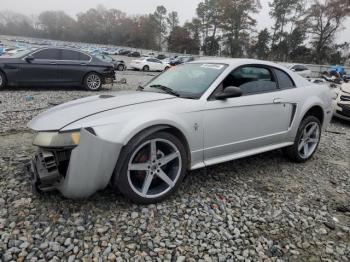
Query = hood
x=60 y=116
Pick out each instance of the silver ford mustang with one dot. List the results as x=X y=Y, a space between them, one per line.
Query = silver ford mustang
x=189 y=117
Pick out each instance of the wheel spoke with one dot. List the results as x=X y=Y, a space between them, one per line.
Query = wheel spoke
x=153 y=150
x=147 y=183
x=312 y=130
x=313 y=140
x=139 y=167
x=165 y=160
x=165 y=178
x=301 y=145
x=306 y=149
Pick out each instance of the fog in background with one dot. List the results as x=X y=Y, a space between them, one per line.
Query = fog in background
x=185 y=8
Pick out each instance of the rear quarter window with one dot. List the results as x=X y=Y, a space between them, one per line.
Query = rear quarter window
x=284 y=80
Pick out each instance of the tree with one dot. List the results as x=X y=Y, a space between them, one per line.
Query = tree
x=194 y=28
x=237 y=23
x=57 y=25
x=12 y=23
x=159 y=17
x=209 y=14
x=143 y=33
x=284 y=12
x=173 y=20
x=261 y=49
x=324 y=19
x=180 y=41
x=295 y=40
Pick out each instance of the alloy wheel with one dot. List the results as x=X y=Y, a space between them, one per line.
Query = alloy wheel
x=309 y=140
x=154 y=168
x=1 y=80
x=93 y=82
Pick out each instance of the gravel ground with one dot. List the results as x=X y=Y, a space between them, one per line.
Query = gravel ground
x=261 y=208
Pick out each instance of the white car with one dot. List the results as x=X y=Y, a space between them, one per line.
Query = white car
x=192 y=116
x=301 y=70
x=149 y=64
x=342 y=102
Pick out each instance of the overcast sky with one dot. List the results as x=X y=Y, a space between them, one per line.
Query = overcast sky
x=185 y=8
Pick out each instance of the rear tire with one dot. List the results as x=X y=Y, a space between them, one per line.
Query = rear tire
x=2 y=80
x=93 y=82
x=152 y=169
x=306 y=141
x=166 y=68
x=145 y=68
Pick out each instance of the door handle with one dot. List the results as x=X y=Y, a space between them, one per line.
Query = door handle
x=278 y=101
x=53 y=63
x=83 y=64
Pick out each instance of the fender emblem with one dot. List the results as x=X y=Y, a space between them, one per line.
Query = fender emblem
x=196 y=126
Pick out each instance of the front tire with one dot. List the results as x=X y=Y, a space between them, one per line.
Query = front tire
x=153 y=168
x=145 y=68
x=306 y=141
x=92 y=82
x=120 y=68
x=2 y=80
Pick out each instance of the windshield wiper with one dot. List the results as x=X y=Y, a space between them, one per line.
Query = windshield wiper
x=166 y=89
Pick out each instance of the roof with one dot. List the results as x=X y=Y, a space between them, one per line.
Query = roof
x=239 y=61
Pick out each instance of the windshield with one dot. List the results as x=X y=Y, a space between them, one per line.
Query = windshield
x=188 y=80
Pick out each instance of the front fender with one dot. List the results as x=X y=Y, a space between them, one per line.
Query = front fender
x=126 y=131
x=122 y=127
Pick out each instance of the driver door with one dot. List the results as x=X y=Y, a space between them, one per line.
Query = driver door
x=42 y=70
x=257 y=119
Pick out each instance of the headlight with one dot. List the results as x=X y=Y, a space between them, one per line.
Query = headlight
x=54 y=139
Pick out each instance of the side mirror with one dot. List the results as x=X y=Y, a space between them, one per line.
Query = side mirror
x=293 y=69
x=29 y=58
x=229 y=92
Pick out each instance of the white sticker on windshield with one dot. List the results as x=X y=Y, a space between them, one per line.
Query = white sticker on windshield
x=213 y=66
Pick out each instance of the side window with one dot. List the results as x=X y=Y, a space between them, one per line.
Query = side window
x=70 y=55
x=284 y=80
x=251 y=80
x=47 y=54
x=152 y=60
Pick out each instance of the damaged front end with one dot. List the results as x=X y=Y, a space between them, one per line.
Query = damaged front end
x=76 y=163
x=48 y=168
x=50 y=164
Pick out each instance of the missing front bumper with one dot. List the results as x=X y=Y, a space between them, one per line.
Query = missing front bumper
x=77 y=172
x=45 y=170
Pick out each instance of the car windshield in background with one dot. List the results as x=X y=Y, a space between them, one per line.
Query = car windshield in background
x=21 y=54
x=105 y=58
x=188 y=80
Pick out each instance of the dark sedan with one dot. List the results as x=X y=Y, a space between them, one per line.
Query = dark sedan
x=119 y=65
x=55 y=67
